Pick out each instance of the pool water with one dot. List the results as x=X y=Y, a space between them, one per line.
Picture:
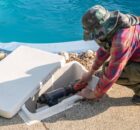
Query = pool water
x=49 y=21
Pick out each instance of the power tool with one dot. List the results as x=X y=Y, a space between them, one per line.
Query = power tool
x=54 y=97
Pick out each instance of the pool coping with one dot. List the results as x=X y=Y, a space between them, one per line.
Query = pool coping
x=71 y=46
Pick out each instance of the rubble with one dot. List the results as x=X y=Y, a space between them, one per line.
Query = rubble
x=85 y=58
x=65 y=54
x=89 y=54
x=2 y=55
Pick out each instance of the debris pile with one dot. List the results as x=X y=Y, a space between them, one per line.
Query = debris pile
x=85 y=58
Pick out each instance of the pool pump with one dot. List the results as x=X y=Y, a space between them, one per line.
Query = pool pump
x=53 y=97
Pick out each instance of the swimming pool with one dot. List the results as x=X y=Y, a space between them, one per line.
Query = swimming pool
x=49 y=21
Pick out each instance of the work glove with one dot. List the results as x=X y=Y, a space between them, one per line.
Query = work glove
x=87 y=94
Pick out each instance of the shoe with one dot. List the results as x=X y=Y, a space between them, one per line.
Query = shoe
x=136 y=99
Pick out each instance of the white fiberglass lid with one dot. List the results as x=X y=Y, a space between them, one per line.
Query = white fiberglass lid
x=20 y=75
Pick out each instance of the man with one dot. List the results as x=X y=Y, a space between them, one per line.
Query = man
x=118 y=36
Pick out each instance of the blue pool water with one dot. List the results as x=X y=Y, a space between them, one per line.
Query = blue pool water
x=49 y=21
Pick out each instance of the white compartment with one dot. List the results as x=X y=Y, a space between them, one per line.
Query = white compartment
x=62 y=77
x=20 y=75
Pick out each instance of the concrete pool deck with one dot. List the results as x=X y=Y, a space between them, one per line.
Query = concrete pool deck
x=112 y=112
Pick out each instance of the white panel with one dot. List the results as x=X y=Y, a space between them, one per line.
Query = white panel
x=20 y=75
x=62 y=77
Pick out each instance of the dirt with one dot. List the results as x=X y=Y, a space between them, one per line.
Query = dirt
x=85 y=58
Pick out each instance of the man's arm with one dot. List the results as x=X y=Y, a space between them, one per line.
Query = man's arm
x=101 y=57
x=123 y=48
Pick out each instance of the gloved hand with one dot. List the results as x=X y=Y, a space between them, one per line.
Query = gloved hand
x=87 y=93
x=90 y=94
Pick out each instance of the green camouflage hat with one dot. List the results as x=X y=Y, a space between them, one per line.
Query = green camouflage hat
x=99 y=22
